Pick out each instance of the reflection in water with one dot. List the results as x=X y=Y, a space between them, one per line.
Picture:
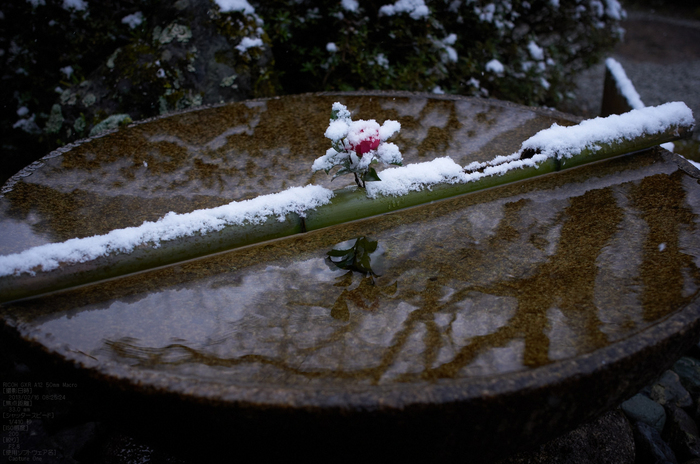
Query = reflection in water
x=357 y=258
x=496 y=282
x=500 y=281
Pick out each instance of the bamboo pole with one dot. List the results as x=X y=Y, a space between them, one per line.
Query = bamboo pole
x=347 y=205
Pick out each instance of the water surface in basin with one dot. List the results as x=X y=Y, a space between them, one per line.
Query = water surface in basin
x=491 y=283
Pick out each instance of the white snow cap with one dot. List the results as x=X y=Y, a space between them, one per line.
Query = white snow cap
x=77 y=4
x=248 y=42
x=557 y=141
x=235 y=5
x=133 y=20
x=565 y=142
x=624 y=84
x=416 y=9
x=170 y=227
x=495 y=66
x=535 y=51
x=350 y=5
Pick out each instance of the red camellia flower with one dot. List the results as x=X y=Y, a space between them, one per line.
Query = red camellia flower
x=368 y=141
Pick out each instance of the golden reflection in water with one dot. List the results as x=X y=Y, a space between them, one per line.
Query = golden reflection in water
x=504 y=280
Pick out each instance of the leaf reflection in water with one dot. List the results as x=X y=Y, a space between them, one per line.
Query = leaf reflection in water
x=357 y=258
x=483 y=285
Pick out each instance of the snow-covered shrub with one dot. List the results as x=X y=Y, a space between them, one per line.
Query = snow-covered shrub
x=47 y=46
x=68 y=65
x=522 y=51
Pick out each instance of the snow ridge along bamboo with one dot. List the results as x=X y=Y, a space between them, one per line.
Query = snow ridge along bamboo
x=175 y=238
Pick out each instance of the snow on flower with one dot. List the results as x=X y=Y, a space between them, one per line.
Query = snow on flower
x=67 y=70
x=363 y=136
x=357 y=145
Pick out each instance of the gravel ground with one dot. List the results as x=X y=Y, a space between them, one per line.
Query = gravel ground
x=661 y=56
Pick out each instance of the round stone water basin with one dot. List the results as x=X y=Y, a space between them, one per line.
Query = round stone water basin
x=478 y=325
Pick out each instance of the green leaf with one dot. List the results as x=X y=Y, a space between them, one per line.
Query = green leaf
x=338 y=253
x=371 y=176
x=370 y=246
x=341 y=172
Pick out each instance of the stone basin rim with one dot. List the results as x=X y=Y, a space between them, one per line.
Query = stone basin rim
x=680 y=327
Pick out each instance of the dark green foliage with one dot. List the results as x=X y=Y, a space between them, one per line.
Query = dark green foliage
x=127 y=70
x=36 y=42
x=417 y=52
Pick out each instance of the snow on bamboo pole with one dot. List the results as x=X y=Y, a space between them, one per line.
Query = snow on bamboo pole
x=173 y=238
x=549 y=150
x=356 y=146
